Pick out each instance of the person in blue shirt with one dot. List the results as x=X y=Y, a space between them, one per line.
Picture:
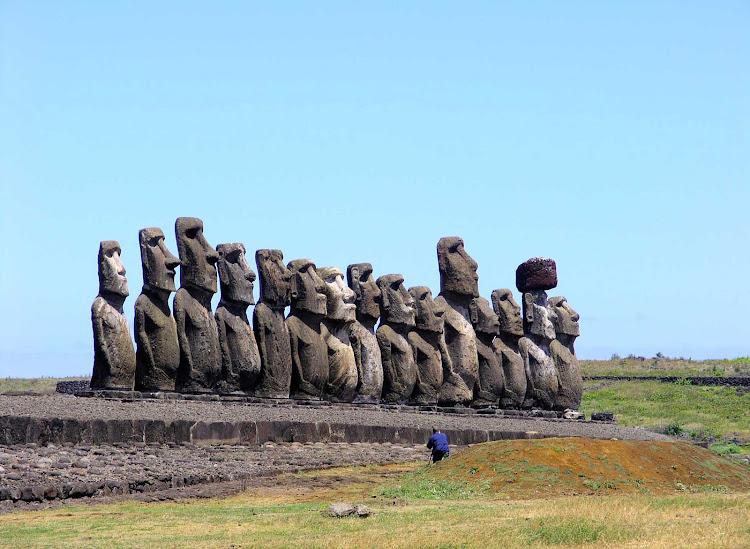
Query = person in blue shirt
x=438 y=443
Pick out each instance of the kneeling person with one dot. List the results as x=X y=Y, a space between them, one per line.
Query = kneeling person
x=438 y=443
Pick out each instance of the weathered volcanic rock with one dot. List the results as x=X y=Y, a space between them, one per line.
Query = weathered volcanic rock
x=537 y=273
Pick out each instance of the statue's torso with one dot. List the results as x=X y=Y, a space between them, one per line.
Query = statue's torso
x=370 y=369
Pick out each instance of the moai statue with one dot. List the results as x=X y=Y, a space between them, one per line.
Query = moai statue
x=271 y=332
x=200 y=355
x=340 y=315
x=533 y=277
x=240 y=360
x=158 y=349
x=490 y=383
x=114 y=355
x=399 y=367
x=506 y=346
x=458 y=286
x=565 y=321
x=362 y=332
x=428 y=346
x=309 y=350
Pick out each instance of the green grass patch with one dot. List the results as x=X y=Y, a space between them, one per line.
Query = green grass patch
x=575 y=531
x=702 y=411
x=417 y=485
x=662 y=366
x=43 y=385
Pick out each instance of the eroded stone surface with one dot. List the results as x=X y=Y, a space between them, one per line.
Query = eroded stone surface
x=158 y=349
x=537 y=273
x=506 y=346
x=565 y=321
x=240 y=360
x=458 y=286
x=399 y=367
x=114 y=355
x=490 y=382
x=309 y=350
x=429 y=349
x=543 y=383
x=197 y=332
x=362 y=332
x=340 y=314
x=271 y=332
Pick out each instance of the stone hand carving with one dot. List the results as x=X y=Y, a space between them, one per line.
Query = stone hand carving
x=543 y=383
x=340 y=314
x=428 y=346
x=271 y=332
x=565 y=321
x=240 y=360
x=491 y=380
x=114 y=355
x=458 y=286
x=158 y=348
x=309 y=350
x=200 y=355
x=362 y=332
x=506 y=345
x=399 y=367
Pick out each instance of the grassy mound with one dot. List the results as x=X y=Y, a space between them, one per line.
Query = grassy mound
x=521 y=469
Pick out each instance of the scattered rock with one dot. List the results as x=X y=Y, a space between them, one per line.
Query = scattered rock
x=338 y=510
x=573 y=414
x=362 y=511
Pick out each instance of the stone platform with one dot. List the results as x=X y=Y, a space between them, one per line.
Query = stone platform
x=61 y=419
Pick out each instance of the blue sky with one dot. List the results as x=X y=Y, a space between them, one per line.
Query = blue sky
x=612 y=137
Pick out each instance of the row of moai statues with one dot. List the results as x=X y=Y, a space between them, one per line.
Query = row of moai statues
x=454 y=349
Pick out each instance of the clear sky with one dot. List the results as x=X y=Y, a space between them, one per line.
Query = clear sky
x=610 y=136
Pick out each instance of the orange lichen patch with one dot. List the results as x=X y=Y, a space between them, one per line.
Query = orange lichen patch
x=569 y=466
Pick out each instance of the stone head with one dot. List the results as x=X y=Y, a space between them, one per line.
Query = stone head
x=458 y=271
x=198 y=268
x=158 y=262
x=508 y=312
x=564 y=319
x=111 y=270
x=308 y=289
x=367 y=294
x=339 y=297
x=275 y=278
x=235 y=275
x=536 y=319
x=397 y=304
x=429 y=316
x=483 y=318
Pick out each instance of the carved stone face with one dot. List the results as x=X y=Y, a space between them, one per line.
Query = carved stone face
x=111 y=270
x=398 y=305
x=366 y=289
x=483 y=318
x=235 y=274
x=198 y=258
x=564 y=319
x=158 y=262
x=308 y=289
x=508 y=312
x=429 y=316
x=536 y=315
x=339 y=297
x=458 y=271
x=275 y=278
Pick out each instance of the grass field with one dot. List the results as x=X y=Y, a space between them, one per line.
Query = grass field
x=662 y=366
x=702 y=412
x=678 y=516
x=44 y=385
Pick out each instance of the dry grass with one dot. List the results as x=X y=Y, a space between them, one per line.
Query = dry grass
x=284 y=517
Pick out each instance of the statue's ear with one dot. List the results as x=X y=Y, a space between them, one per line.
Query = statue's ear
x=473 y=311
x=355 y=283
x=385 y=300
x=294 y=286
x=528 y=306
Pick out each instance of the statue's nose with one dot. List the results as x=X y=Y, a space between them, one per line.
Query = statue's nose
x=212 y=256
